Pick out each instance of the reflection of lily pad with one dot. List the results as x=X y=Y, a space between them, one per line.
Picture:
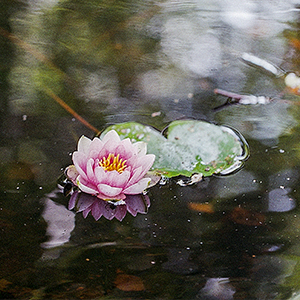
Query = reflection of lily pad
x=190 y=147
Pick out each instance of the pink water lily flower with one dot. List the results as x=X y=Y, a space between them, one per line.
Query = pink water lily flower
x=110 y=168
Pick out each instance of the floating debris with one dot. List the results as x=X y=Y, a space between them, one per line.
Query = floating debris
x=156 y=114
x=201 y=207
x=293 y=81
x=234 y=98
x=197 y=177
x=263 y=64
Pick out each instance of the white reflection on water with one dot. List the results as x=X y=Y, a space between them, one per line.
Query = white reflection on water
x=227 y=186
x=205 y=39
x=280 y=201
x=217 y=288
x=60 y=223
x=280 y=186
x=190 y=49
x=264 y=123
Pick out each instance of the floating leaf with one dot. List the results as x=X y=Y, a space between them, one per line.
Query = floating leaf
x=246 y=217
x=202 y=207
x=190 y=147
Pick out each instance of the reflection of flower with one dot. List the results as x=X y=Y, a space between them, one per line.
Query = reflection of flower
x=110 y=168
x=86 y=203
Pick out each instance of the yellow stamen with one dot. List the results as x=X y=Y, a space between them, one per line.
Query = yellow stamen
x=113 y=163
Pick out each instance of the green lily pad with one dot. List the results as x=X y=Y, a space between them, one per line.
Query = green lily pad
x=189 y=147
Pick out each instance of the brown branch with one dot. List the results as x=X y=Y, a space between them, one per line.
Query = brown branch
x=70 y=110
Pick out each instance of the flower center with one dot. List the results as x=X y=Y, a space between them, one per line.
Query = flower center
x=113 y=163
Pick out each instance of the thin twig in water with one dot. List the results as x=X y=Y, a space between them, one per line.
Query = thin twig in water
x=71 y=110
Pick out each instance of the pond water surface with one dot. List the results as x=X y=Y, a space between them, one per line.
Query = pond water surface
x=227 y=237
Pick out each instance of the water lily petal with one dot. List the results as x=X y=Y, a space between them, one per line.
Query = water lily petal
x=109 y=191
x=100 y=174
x=123 y=151
x=90 y=171
x=138 y=187
x=79 y=160
x=72 y=173
x=145 y=162
x=111 y=135
x=95 y=147
x=84 y=145
x=128 y=146
x=136 y=175
x=116 y=179
x=85 y=188
x=109 y=147
x=101 y=196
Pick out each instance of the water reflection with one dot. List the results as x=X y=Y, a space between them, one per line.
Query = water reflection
x=87 y=203
x=280 y=196
x=217 y=288
x=60 y=223
x=265 y=123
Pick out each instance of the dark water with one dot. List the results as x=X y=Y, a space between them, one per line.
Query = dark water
x=151 y=62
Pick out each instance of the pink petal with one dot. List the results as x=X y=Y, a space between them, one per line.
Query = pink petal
x=84 y=145
x=80 y=160
x=124 y=152
x=109 y=147
x=96 y=147
x=138 y=187
x=136 y=176
x=85 y=188
x=90 y=171
x=128 y=146
x=100 y=174
x=108 y=191
x=146 y=163
x=72 y=173
x=94 y=154
x=111 y=135
x=115 y=179
x=101 y=196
